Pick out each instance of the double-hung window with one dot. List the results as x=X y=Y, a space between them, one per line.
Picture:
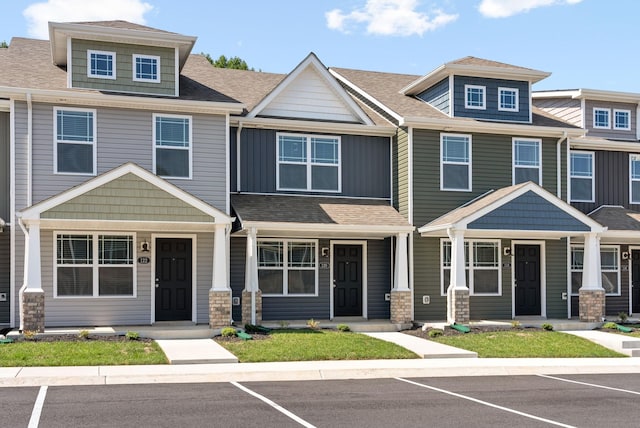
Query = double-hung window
x=101 y=64
x=455 y=162
x=609 y=264
x=308 y=162
x=482 y=266
x=526 y=161
x=508 y=99
x=475 y=97
x=146 y=68
x=94 y=265
x=288 y=267
x=74 y=140
x=602 y=118
x=634 y=178
x=622 y=120
x=581 y=172
x=172 y=146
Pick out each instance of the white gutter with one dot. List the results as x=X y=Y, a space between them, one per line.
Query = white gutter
x=29 y=150
x=12 y=212
x=26 y=269
x=559 y=166
x=307 y=125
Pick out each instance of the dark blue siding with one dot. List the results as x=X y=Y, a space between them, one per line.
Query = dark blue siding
x=366 y=164
x=438 y=95
x=237 y=251
x=378 y=278
x=529 y=212
x=491 y=111
x=233 y=166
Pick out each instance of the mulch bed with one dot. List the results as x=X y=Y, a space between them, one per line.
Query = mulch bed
x=75 y=338
x=231 y=339
x=448 y=331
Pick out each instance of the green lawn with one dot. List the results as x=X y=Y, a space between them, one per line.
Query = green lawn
x=527 y=344
x=309 y=345
x=80 y=353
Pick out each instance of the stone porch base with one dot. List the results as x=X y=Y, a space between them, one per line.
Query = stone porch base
x=592 y=305
x=246 y=307
x=32 y=315
x=219 y=308
x=401 y=307
x=457 y=305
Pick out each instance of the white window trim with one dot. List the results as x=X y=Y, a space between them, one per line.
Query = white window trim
x=308 y=162
x=442 y=163
x=285 y=268
x=599 y=109
x=516 y=108
x=593 y=174
x=99 y=76
x=470 y=268
x=190 y=148
x=620 y=128
x=140 y=79
x=56 y=141
x=513 y=159
x=95 y=265
x=631 y=179
x=618 y=271
x=484 y=97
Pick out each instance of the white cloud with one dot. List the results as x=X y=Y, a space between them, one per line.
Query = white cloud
x=389 y=18
x=506 y=8
x=39 y=14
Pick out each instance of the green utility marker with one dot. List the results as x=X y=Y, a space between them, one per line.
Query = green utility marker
x=244 y=336
x=623 y=328
x=461 y=328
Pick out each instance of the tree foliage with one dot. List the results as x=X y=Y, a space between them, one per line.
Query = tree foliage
x=235 y=62
x=3 y=44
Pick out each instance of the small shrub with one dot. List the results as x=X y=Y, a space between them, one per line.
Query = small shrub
x=623 y=316
x=547 y=326
x=132 y=335
x=516 y=324
x=83 y=334
x=29 y=334
x=343 y=327
x=435 y=332
x=609 y=325
x=313 y=324
x=283 y=324
x=228 y=332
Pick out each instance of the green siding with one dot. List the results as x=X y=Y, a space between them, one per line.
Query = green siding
x=127 y=198
x=401 y=176
x=124 y=68
x=556 y=265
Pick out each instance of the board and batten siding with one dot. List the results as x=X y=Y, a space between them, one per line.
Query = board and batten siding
x=365 y=164
x=630 y=134
x=379 y=279
x=5 y=277
x=438 y=96
x=124 y=68
x=4 y=166
x=567 y=109
x=401 y=172
x=491 y=111
x=126 y=136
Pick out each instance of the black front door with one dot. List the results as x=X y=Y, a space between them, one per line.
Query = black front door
x=527 y=276
x=173 y=279
x=635 y=281
x=347 y=280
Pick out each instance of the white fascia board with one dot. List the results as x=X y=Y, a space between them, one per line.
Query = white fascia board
x=603 y=144
x=96 y=99
x=33 y=212
x=570 y=93
x=366 y=95
x=613 y=96
x=323 y=228
x=506 y=234
x=312 y=126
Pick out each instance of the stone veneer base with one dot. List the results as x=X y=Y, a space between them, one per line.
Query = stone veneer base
x=246 y=307
x=33 y=311
x=592 y=305
x=457 y=305
x=401 y=307
x=219 y=308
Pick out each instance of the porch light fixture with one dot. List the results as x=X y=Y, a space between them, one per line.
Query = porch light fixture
x=506 y=251
x=145 y=247
x=325 y=251
x=625 y=255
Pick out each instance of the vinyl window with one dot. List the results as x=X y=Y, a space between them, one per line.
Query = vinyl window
x=75 y=141
x=172 y=146
x=455 y=162
x=526 y=161
x=482 y=266
x=475 y=97
x=308 y=162
x=622 y=120
x=581 y=175
x=288 y=267
x=508 y=99
x=602 y=118
x=609 y=264
x=146 y=68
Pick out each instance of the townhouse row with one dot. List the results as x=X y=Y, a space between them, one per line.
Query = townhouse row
x=140 y=185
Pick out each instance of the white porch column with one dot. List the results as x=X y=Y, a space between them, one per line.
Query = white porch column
x=32 y=272
x=591 y=271
x=220 y=280
x=457 y=292
x=401 y=269
x=251 y=269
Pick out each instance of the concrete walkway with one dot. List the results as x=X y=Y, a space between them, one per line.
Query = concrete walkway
x=422 y=347
x=195 y=351
x=623 y=344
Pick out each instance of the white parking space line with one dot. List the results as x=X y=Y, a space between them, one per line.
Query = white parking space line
x=594 y=385
x=485 y=403
x=274 y=405
x=37 y=408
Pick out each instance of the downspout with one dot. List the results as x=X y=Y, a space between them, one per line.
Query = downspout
x=559 y=165
x=29 y=149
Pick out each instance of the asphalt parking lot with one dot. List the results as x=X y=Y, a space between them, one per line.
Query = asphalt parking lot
x=487 y=401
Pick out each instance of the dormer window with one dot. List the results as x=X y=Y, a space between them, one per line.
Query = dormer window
x=146 y=68
x=622 y=120
x=101 y=64
x=601 y=118
x=475 y=97
x=508 y=99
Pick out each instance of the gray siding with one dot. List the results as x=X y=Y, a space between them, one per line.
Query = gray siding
x=20 y=195
x=4 y=166
x=126 y=136
x=491 y=111
x=365 y=163
x=438 y=96
x=5 y=287
x=124 y=68
x=589 y=105
x=568 y=109
x=378 y=278
x=205 y=275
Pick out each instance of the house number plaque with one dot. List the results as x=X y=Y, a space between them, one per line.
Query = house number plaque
x=143 y=260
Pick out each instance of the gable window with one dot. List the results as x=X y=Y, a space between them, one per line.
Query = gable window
x=601 y=118
x=308 y=162
x=74 y=140
x=475 y=97
x=482 y=266
x=581 y=173
x=508 y=99
x=622 y=120
x=172 y=141
x=101 y=64
x=634 y=178
x=146 y=68
x=455 y=162
x=609 y=256
x=94 y=265
x=288 y=267
x=526 y=161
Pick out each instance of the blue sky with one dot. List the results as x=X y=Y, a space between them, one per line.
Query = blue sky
x=583 y=43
